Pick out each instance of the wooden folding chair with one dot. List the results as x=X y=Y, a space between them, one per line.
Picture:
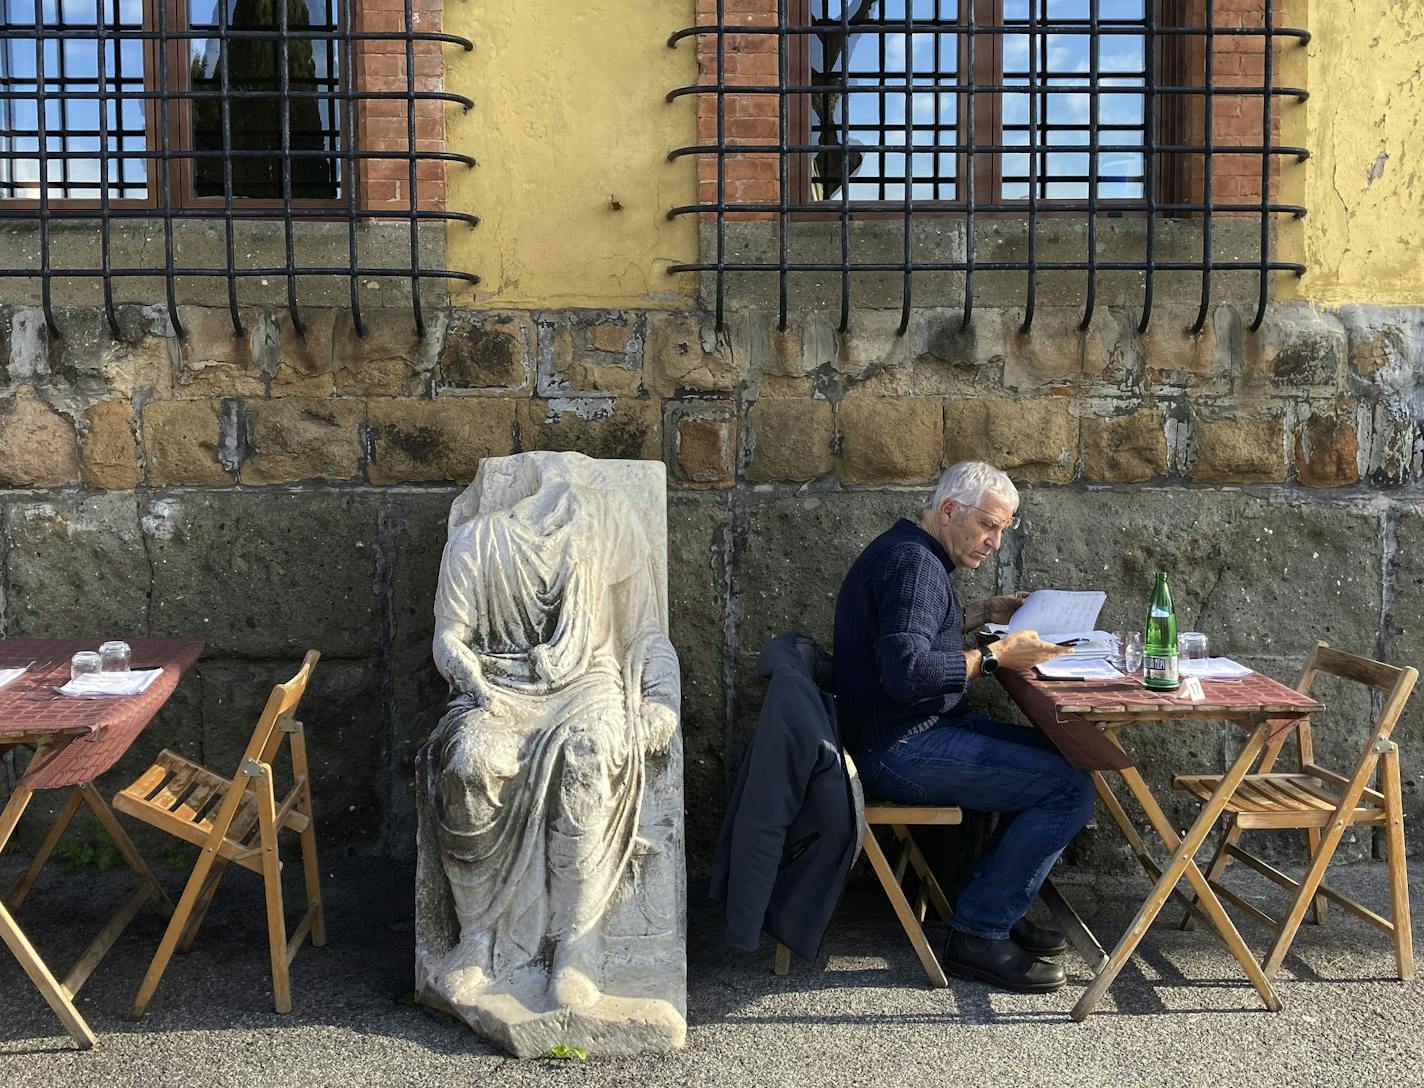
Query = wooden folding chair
x=1323 y=804
x=900 y=818
x=236 y=821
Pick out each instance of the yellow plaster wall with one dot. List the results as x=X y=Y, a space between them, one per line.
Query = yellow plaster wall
x=1363 y=239
x=569 y=116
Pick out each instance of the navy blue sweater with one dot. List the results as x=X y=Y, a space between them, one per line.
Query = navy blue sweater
x=899 y=649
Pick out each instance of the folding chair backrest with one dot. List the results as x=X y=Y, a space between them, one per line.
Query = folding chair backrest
x=1393 y=682
x=281 y=706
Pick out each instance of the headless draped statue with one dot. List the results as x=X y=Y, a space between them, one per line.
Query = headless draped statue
x=550 y=807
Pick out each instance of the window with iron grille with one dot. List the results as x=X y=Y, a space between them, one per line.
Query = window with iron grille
x=856 y=110
x=237 y=111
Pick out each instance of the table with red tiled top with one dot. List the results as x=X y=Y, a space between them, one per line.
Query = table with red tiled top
x=75 y=741
x=1082 y=718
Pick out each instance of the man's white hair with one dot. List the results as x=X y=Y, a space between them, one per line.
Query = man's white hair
x=969 y=481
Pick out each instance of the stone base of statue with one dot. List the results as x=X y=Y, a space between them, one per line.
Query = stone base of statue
x=551 y=894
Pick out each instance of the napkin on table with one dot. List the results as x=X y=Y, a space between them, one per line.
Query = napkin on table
x=111 y=683
x=1212 y=668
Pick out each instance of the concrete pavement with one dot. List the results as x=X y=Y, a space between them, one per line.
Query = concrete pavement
x=1180 y=1014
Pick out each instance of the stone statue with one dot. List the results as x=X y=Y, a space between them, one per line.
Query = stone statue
x=551 y=899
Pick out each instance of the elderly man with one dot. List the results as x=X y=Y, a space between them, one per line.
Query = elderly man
x=901 y=674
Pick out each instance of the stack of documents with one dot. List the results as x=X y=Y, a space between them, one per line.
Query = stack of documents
x=1058 y=616
x=1068 y=668
x=98 y=684
x=1090 y=644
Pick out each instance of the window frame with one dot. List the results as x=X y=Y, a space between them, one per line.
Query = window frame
x=182 y=170
x=1170 y=66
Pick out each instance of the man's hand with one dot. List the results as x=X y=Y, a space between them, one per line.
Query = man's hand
x=999 y=609
x=1024 y=650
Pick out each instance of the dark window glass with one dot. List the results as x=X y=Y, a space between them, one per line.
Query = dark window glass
x=255 y=120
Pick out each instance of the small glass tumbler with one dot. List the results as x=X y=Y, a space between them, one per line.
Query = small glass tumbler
x=84 y=663
x=115 y=657
x=1192 y=646
x=1127 y=654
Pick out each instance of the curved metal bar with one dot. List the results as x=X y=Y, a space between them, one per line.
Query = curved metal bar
x=285 y=120
x=905 y=293
x=1093 y=114
x=1263 y=278
x=1149 y=181
x=844 y=89
x=412 y=174
x=1031 y=297
x=1207 y=130
x=101 y=30
x=166 y=192
x=970 y=62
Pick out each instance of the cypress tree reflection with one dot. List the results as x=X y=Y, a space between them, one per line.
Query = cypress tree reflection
x=255 y=124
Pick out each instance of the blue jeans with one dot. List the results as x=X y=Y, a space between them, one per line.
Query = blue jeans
x=978 y=763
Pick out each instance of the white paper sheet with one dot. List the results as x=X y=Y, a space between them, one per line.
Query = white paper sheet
x=1068 y=668
x=1213 y=668
x=99 y=684
x=7 y=675
x=1056 y=614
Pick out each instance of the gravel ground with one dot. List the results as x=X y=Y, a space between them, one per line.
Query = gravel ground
x=1180 y=1014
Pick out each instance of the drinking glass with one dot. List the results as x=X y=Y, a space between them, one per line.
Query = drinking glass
x=1192 y=646
x=115 y=657
x=84 y=663
x=1127 y=655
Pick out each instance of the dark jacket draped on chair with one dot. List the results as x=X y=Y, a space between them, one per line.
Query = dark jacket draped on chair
x=791 y=831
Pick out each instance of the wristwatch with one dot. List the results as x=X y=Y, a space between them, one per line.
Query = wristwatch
x=988 y=663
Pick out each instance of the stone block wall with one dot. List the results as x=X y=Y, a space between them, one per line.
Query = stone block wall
x=274 y=493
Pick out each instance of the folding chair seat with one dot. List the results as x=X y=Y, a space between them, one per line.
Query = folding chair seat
x=236 y=820
x=1322 y=804
x=900 y=818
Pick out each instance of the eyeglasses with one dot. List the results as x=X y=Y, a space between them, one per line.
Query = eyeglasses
x=994 y=523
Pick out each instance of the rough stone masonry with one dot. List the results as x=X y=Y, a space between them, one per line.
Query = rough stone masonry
x=278 y=492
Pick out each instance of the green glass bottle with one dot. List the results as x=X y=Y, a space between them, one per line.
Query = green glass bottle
x=1159 y=646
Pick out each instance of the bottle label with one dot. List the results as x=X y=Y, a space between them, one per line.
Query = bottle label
x=1160 y=670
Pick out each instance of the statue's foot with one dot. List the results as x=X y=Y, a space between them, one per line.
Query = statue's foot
x=466 y=968
x=572 y=989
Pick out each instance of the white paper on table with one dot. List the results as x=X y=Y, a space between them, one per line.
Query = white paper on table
x=96 y=684
x=1091 y=644
x=1056 y=614
x=7 y=675
x=1064 y=668
x=1212 y=668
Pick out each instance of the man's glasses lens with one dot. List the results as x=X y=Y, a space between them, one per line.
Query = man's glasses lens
x=995 y=523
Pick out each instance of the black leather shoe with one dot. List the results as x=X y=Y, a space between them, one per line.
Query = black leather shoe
x=999 y=963
x=1038 y=940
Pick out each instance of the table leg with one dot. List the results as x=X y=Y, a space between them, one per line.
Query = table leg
x=1139 y=848
x=22 y=887
x=1073 y=926
x=59 y=999
x=14 y=809
x=1181 y=863
x=127 y=850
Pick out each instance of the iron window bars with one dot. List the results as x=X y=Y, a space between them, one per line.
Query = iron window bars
x=114 y=110
x=816 y=131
